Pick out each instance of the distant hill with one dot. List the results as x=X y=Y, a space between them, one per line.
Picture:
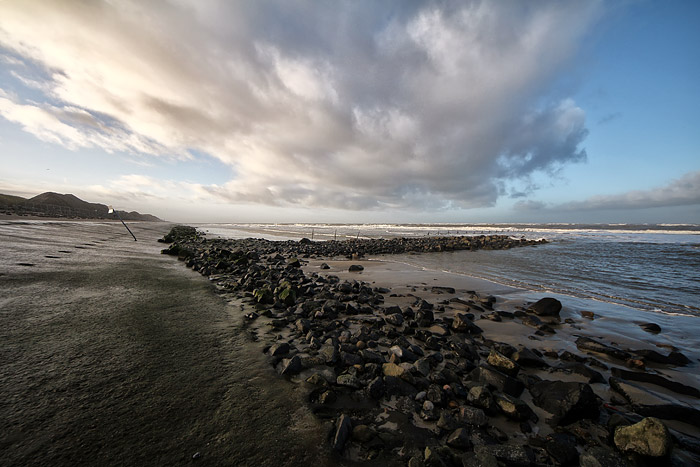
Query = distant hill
x=52 y=204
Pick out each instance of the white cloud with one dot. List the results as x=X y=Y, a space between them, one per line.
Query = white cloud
x=338 y=104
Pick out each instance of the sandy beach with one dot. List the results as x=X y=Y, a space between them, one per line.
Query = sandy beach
x=114 y=354
x=416 y=366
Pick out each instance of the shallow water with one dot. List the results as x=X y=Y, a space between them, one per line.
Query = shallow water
x=114 y=354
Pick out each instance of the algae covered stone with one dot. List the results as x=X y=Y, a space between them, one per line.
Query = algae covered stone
x=650 y=437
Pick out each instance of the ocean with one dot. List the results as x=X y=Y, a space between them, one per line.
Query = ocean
x=654 y=268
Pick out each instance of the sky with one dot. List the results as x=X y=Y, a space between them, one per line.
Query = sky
x=356 y=111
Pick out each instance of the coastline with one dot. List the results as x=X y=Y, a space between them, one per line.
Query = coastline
x=360 y=391
x=115 y=354
x=561 y=344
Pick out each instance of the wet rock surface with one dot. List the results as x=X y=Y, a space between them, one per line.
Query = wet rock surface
x=414 y=378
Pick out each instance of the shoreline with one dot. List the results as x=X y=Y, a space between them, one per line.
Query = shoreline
x=113 y=354
x=385 y=304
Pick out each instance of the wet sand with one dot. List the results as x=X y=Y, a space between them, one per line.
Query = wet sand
x=114 y=354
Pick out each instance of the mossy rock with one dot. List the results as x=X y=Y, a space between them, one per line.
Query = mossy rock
x=263 y=295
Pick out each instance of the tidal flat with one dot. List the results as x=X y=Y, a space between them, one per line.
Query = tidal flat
x=114 y=354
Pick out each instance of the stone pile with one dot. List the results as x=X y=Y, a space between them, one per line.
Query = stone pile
x=419 y=384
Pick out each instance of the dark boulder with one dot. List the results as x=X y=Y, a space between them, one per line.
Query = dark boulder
x=291 y=366
x=566 y=401
x=583 y=370
x=657 y=380
x=602 y=456
x=546 y=307
x=590 y=345
x=526 y=357
x=562 y=448
x=511 y=455
x=514 y=408
x=502 y=382
x=673 y=358
x=342 y=433
x=279 y=349
x=461 y=323
x=356 y=268
x=459 y=439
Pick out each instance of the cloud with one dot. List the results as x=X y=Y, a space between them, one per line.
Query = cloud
x=684 y=191
x=529 y=205
x=356 y=105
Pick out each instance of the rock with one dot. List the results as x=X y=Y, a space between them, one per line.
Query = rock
x=526 y=357
x=286 y=294
x=375 y=388
x=329 y=353
x=588 y=344
x=602 y=456
x=459 y=439
x=317 y=379
x=279 y=349
x=438 y=330
x=395 y=319
x=673 y=358
x=513 y=408
x=404 y=354
x=291 y=366
x=581 y=369
x=682 y=413
x=546 y=307
x=348 y=381
x=392 y=369
x=349 y=359
x=428 y=411
x=356 y=268
x=473 y=416
x=502 y=363
x=562 y=448
x=324 y=266
x=650 y=437
x=433 y=457
x=588 y=314
x=651 y=327
x=461 y=323
x=327 y=397
x=425 y=317
x=422 y=366
x=416 y=462
x=509 y=454
x=371 y=357
x=342 y=433
x=532 y=321
x=566 y=401
x=362 y=433
x=504 y=383
x=394 y=386
x=657 y=380
x=480 y=396
x=446 y=420
x=263 y=295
